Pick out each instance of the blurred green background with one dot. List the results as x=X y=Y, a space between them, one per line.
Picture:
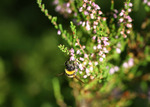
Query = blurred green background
x=29 y=54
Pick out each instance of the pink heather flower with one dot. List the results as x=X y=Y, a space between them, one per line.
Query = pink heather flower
x=75 y=14
x=130 y=62
x=90 y=2
x=85 y=56
x=99 y=46
x=94 y=47
x=100 y=53
x=130 y=4
x=93 y=11
x=97 y=7
x=103 y=55
x=128 y=31
x=129 y=10
x=122 y=32
x=93 y=4
x=106 y=43
x=129 y=25
x=85 y=76
x=104 y=18
x=115 y=16
x=104 y=49
x=121 y=20
x=122 y=12
x=119 y=45
x=95 y=23
x=84 y=5
x=94 y=37
x=72 y=58
x=84 y=63
x=80 y=67
x=82 y=59
x=80 y=9
x=96 y=63
x=129 y=19
x=98 y=40
x=56 y=2
x=115 y=10
x=125 y=65
x=94 y=27
x=124 y=35
x=86 y=13
x=85 y=1
x=92 y=16
x=87 y=71
x=68 y=4
x=148 y=3
x=90 y=63
x=80 y=72
x=116 y=68
x=145 y=1
x=100 y=12
x=83 y=47
x=112 y=71
x=91 y=68
x=118 y=50
x=100 y=59
x=76 y=44
x=78 y=52
x=89 y=8
x=72 y=50
x=98 y=18
x=69 y=10
x=94 y=31
x=104 y=38
x=88 y=27
x=83 y=24
x=58 y=8
x=92 y=54
x=59 y=32
x=125 y=4
x=80 y=22
x=116 y=37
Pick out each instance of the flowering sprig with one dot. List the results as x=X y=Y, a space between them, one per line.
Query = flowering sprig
x=65 y=8
x=104 y=47
x=124 y=19
x=93 y=20
x=91 y=54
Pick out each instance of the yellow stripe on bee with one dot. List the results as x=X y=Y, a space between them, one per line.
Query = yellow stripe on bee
x=69 y=72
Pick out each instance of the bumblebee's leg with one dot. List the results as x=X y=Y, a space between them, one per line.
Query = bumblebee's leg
x=79 y=79
x=61 y=74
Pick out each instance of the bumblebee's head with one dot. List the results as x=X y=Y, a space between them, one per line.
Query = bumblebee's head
x=70 y=66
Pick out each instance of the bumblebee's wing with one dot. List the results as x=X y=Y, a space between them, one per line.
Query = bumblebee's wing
x=61 y=74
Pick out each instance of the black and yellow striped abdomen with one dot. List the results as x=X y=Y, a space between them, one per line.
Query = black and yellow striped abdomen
x=70 y=74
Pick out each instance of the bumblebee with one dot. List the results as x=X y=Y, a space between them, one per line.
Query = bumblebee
x=70 y=70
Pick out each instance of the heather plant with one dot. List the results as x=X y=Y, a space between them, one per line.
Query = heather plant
x=108 y=51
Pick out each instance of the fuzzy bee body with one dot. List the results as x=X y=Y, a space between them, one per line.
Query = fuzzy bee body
x=70 y=74
x=70 y=69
